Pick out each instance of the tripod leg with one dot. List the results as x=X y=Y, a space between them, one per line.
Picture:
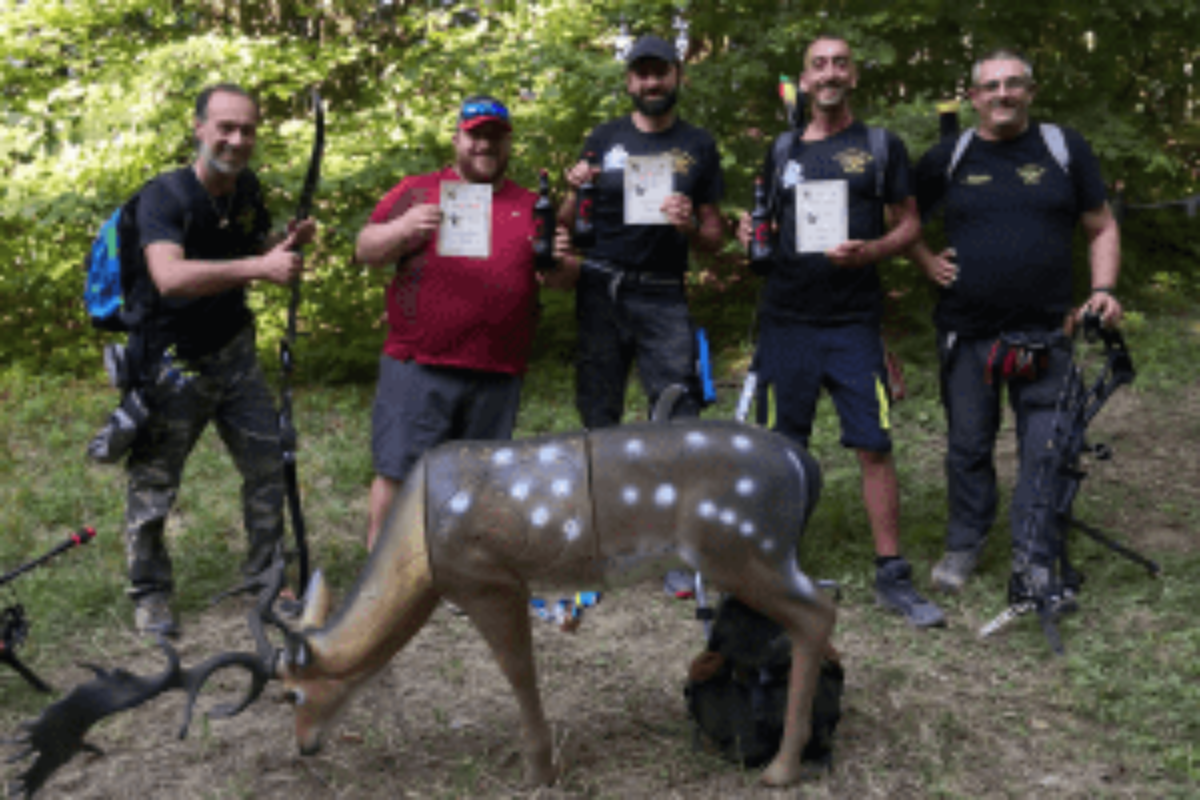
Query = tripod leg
x=1152 y=567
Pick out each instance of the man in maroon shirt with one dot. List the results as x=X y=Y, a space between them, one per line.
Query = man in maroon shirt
x=462 y=308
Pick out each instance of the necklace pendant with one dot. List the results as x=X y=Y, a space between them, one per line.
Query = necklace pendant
x=223 y=223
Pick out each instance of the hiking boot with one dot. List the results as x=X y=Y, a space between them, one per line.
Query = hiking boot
x=951 y=573
x=153 y=616
x=680 y=584
x=894 y=591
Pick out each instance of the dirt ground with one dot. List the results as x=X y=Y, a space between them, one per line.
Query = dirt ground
x=935 y=713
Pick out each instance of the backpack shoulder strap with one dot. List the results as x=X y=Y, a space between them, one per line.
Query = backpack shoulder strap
x=1056 y=143
x=878 y=144
x=960 y=149
x=780 y=151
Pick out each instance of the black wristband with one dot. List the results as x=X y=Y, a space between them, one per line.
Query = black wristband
x=1108 y=290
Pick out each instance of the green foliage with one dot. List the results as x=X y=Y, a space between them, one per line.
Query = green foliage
x=98 y=97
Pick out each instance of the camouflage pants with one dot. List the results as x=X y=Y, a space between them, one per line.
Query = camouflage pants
x=228 y=388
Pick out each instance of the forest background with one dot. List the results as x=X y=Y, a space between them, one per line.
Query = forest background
x=98 y=97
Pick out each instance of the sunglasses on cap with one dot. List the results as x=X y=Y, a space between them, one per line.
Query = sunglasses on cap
x=480 y=111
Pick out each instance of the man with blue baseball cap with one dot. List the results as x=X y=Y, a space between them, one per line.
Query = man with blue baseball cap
x=462 y=308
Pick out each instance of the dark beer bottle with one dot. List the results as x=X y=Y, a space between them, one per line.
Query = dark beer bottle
x=760 y=248
x=543 y=226
x=585 y=228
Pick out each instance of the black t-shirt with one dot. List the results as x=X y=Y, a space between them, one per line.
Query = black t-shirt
x=1010 y=213
x=810 y=288
x=208 y=229
x=649 y=248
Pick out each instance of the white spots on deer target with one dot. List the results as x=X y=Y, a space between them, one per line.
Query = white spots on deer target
x=635 y=448
x=503 y=458
x=539 y=517
x=572 y=528
x=696 y=439
x=561 y=488
x=741 y=442
x=745 y=487
x=796 y=463
x=728 y=517
x=520 y=490
x=547 y=454
x=767 y=544
x=707 y=509
x=630 y=495
x=460 y=502
x=746 y=528
x=665 y=495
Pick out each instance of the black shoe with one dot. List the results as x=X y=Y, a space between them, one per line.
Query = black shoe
x=894 y=591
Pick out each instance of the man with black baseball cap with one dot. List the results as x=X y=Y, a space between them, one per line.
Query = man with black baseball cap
x=658 y=182
x=463 y=305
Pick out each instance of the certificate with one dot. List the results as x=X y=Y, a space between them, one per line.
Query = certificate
x=821 y=216
x=466 y=228
x=649 y=180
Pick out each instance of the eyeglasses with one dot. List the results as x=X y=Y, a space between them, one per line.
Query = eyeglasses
x=482 y=108
x=1012 y=83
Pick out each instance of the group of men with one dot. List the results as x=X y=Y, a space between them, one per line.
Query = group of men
x=462 y=307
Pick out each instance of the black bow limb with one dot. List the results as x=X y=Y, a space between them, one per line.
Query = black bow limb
x=287 y=428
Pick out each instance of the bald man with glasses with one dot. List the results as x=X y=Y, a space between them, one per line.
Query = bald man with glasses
x=1013 y=192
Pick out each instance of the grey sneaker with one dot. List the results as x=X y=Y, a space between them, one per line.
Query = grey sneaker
x=153 y=616
x=951 y=573
x=894 y=591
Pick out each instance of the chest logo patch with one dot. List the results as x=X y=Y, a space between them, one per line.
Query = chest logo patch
x=683 y=161
x=853 y=161
x=976 y=179
x=614 y=159
x=1031 y=174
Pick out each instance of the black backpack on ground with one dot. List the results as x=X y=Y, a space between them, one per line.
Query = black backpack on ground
x=737 y=690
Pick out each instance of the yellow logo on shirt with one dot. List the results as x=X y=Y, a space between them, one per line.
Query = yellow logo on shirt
x=1031 y=174
x=683 y=161
x=853 y=161
x=976 y=179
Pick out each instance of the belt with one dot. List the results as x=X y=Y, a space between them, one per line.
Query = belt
x=618 y=275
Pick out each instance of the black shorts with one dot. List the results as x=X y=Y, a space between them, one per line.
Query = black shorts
x=417 y=407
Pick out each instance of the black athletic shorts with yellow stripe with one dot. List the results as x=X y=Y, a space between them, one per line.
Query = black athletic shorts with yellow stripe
x=795 y=360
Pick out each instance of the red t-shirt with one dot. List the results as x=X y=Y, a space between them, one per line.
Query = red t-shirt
x=472 y=313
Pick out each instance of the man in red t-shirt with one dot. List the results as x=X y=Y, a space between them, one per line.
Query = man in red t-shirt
x=462 y=308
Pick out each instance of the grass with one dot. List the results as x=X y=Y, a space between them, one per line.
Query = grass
x=1125 y=696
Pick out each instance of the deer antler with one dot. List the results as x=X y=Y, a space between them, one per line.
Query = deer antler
x=58 y=734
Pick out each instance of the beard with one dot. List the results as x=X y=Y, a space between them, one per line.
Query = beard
x=218 y=166
x=657 y=106
x=825 y=101
x=484 y=168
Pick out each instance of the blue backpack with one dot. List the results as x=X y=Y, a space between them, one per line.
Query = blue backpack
x=118 y=292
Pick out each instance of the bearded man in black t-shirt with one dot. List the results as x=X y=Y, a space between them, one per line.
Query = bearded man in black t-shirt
x=822 y=304
x=1013 y=196
x=204 y=232
x=630 y=300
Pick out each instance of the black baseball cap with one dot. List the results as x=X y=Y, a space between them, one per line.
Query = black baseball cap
x=652 y=47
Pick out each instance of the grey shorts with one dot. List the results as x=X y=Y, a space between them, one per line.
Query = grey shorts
x=418 y=407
